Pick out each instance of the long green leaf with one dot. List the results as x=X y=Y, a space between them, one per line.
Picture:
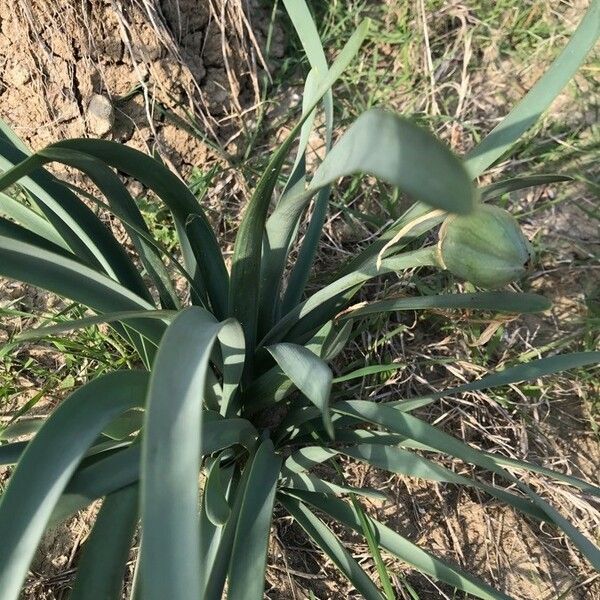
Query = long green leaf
x=101 y=568
x=402 y=548
x=10 y=229
x=9 y=135
x=215 y=502
x=324 y=538
x=77 y=225
x=499 y=188
x=415 y=429
x=246 y=262
x=217 y=548
x=171 y=446
x=497 y=301
x=123 y=205
x=313 y=483
x=299 y=320
x=273 y=261
x=397 y=460
x=73 y=280
x=48 y=463
x=539 y=97
x=361 y=436
x=199 y=244
x=233 y=349
x=30 y=219
x=249 y=553
x=310 y=375
x=408 y=463
x=72 y=325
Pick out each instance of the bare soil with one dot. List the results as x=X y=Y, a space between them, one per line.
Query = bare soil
x=148 y=63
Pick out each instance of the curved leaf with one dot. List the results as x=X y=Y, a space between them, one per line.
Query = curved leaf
x=121 y=202
x=30 y=219
x=324 y=538
x=77 y=225
x=73 y=280
x=310 y=375
x=215 y=503
x=48 y=463
x=249 y=553
x=170 y=464
x=499 y=188
x=200 y=247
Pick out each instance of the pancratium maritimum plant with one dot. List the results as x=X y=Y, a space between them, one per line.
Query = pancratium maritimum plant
x=237 y=384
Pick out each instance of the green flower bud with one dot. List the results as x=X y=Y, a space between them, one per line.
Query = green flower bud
x=485 y=247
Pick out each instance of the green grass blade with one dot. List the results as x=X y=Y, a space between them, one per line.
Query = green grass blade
x=499 y=188
x=310 y=375
x=48 y=463
x=246 y=577
x=539 y=97
x=509 y=302
x=324 y=538
x=402 y=548
x=246 y=262
x=101 y=568
x=169 y=496
x=370 y=370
